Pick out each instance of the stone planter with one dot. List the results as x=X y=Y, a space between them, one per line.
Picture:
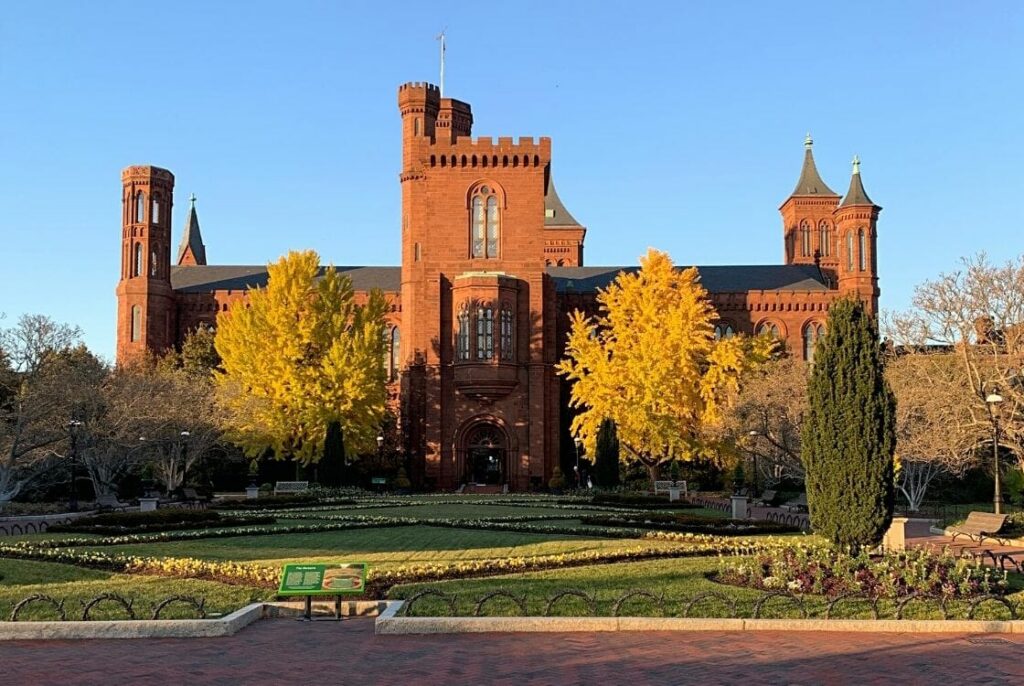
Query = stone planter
x=148 y=504
x=252 y=492
x=673 y=493
x=739 y=506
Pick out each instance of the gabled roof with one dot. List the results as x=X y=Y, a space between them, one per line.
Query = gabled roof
x=555 y=213
x=716 y=279
x=204 y=279
x=192 y=239
x=810 y=182
x=856 y=195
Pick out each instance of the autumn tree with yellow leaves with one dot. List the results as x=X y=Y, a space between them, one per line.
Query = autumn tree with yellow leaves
x=649 y=362
x=301 y=356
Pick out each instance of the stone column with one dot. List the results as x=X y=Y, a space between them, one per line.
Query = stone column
x=739 y=507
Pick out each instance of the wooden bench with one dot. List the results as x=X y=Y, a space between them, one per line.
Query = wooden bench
x=798 y=504
x=661 y=487
x=981 y=525
x=192 y=498
x=767 y=497
x=109 y=502
x=290 y=487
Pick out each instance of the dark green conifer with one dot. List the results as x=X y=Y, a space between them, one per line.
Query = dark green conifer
x=606 y=461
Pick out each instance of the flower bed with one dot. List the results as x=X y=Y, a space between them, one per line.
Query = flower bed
x=691 y=523
x=636 y=500
x=274 y=502
x=117 y=530
x=828 y=572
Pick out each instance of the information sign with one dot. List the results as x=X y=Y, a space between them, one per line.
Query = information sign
x=323 y=578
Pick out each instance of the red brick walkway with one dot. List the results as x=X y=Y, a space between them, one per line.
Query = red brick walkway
x=286 y=651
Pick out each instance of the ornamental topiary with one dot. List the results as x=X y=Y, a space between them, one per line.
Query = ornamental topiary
x=606 y=461
x=848 y=432
x=557 y=480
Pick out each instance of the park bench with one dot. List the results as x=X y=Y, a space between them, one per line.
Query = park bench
x=767 y=498
x=192 y=498
x=662 y=487
x=980 y=525
x=290 y=487
x=798 y=504
x=109 y=502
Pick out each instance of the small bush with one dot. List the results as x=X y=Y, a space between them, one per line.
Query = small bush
x=688 y=523
x=640 y=501
x=115 y=529
x=273 y=502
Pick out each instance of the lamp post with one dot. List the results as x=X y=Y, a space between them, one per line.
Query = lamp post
x=73 y=427
x=576 y=469
x=184 y=455
x=380 y=454
x=992 y=401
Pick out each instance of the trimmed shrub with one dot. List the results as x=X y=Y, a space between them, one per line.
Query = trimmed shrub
x=688 y=523
x=606 y=462
x=652 y=502
x=273 y=502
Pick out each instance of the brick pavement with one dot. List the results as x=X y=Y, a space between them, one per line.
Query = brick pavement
x=286 y=651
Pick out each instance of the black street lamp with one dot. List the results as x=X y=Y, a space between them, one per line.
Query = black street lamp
x=576 y=469
x=184 y=455
x=992 y=401
x=73 y=427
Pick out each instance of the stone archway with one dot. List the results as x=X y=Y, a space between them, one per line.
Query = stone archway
x=485 y=449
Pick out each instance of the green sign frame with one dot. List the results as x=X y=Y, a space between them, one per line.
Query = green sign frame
x=322 y=578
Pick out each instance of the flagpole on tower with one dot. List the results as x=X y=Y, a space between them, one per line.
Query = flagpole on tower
x=441 y=38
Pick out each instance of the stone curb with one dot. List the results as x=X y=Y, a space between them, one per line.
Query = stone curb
x=389 y=623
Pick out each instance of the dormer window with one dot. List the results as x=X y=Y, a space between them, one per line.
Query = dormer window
x=485 y=223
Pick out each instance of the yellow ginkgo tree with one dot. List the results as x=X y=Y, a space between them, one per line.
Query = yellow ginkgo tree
x=303 y=354
x=649 y=361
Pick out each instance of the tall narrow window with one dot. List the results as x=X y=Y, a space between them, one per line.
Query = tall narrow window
x=507 y=351
x=769 y=328
x=485 y=333
x=824 y=238
x=137 y=264
x=462 y=337
x=849 y=251
x=813 y=332
x=152 y=263
x=485 y=223
x=416 y=126
x=140 y=206
x=136 y=332
x=805 y=239
x=395 y=362
x=155 y=213
x=862 y=253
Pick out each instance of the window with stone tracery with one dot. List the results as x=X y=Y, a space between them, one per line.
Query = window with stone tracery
x=485 y=223
x=462 y=337
x=484 y=333
x=506 y=342
x=805 y=239
x=824 y=238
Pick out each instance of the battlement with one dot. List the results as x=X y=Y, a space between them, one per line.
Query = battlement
x=419 y=85
x=145 y=171
x=484 y=152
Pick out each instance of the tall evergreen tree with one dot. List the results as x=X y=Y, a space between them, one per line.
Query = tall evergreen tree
x=606 y=461
x=849 y=433
x=331 y=470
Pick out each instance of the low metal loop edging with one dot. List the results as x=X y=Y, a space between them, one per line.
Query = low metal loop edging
x=448 y=600
x=923 y=598
x=576 y=593
x=853 y=595
x=977 y=602
x=198 y=605
x=792 y=597
x=103 y=597
x=729 y=602
x=658 y=601
x=519 y=601
x=39 y=597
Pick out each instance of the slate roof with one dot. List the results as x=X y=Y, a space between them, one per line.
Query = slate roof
x=810 y=182
x=716 y=279
x=206 y=278
x=856 y=195
x=191 y=238
x=555 y=213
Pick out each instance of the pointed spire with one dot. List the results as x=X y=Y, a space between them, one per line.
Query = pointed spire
x=192 y=251
x=810 y=182
x=856 y=195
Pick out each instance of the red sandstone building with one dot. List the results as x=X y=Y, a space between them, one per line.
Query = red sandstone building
x=492 y=262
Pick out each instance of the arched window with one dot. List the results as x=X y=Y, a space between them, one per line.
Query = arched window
x=506 y=343
x=395 y=362
x=723 y=330
x=136 y=332
x=861 y=251
x=152 y=263
x=155 y=212
x=485 y=223
x=805 y=238
x=824 y=238
x=769 y=328
x=140 y=206
x=813 y=332
x=849 y=251
x=462 y=337
x=484 y=333
x=416 y=126
x=137 y=263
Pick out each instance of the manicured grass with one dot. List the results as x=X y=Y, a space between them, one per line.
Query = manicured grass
x=678 y=581
x=75 y=586
x=386 y=547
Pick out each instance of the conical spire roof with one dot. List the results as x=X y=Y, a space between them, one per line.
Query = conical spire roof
x=555 y=212
x=856 y=195
x=192 y=250
x=810 y=182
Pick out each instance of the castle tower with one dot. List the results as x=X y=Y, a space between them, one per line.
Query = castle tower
x=808 y=223
x=191 y=251
x=856 y=222
x=145 y=305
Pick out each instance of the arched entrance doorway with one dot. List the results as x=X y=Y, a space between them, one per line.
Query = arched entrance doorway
x=486 y=455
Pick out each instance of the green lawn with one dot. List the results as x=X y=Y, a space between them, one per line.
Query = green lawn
x=387 y=547
x=75 y=586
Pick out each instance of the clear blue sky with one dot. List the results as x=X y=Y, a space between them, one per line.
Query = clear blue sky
x=674 y=125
